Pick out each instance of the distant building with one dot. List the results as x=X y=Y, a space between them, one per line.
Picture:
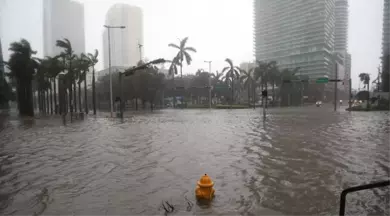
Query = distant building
x=348 y=65
x=247 y=65
x=386 y=46
x=114 y=69
x=386 y=28
x=296 y=34
x=63 y=19
x=341 y=26
x=124 y=42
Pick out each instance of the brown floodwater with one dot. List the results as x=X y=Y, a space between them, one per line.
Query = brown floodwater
x=296 y=162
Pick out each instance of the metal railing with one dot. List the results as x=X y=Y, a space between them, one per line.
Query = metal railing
x=358 y=188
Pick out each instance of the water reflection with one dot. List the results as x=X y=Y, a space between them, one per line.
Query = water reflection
x=294 y=162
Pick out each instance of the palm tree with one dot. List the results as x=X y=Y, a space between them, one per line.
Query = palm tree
x=23 y=68
x=84 y=67
x=172 y=71
x=43 y=85
x=68 y=55
x=93 y=60
x=53 y=67
x=216 y=77
x=365 y=79
x=286 y=76
x=183 y=53
x=232 y=74
x=247 y=80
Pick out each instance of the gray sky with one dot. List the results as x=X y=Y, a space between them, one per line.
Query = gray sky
x=222 y=29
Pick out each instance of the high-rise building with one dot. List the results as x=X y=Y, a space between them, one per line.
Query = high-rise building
x=341 y=26
x=386 y=47
x=341 y=39
x=63 y=19
x=296 y=33
x=125 y=42
x=386 y=27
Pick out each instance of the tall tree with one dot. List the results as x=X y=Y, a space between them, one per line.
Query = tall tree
x=93 y=59
x=23 y=68
x=248 y=82
x=68 y=55
x=183 y=53
x=172 y=71
x=232 y=74
x=54 y=67
x=365 y=79
x=84 y=63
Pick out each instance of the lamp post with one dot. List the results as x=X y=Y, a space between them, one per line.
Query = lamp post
x=209 y=82
x=109 y=62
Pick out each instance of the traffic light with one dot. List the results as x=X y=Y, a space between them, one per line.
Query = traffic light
x=264 y=93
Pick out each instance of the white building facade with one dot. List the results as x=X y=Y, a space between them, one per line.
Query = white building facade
x=124 y=42
x=63 y=19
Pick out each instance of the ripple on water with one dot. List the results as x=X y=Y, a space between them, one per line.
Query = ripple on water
x=295 y=162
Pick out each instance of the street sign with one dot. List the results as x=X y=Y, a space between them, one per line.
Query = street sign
x=322 y=80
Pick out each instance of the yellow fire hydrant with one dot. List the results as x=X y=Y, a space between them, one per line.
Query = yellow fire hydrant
x=204 y=189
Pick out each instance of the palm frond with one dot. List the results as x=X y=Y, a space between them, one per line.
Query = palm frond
x=192 y=49
x=225 y=69
x=173 y=45
x=183 y=43
x=229 y=61
x=187 y=58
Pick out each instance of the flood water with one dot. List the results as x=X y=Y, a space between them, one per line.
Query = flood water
x=294 y=163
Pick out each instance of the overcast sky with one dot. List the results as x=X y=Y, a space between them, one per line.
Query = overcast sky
x=216 y=28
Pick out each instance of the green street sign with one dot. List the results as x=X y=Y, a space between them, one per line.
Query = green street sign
x=322 y=80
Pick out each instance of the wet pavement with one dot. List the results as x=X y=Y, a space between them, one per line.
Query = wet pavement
x=294 y=163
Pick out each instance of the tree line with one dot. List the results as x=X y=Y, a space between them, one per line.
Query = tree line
x=60 y=82
x=54 y=79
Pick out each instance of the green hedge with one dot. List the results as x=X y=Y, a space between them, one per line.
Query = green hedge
x=234 y=106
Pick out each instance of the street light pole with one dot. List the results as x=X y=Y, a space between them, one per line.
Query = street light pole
x=109 y=63
x=209 y=82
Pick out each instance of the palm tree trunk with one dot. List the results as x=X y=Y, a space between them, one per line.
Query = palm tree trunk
x=254 y=94
x=232 y=100
x=136 y=103
x=55 y=96
x=42 y=101
x=47 y=101
x=51 y=98
x=368 y=97
x=249 y=94
x=85 y=93
x=74 y=95
x=174 y=91
x=181 y=76
x=70 y=95
x=93 y=91
x=79 y=94
x=273 y=92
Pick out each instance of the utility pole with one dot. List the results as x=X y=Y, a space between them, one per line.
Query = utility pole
x=209 y=82
x=109 y=63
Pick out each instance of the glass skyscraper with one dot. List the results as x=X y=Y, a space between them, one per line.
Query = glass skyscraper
x=296 y=33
